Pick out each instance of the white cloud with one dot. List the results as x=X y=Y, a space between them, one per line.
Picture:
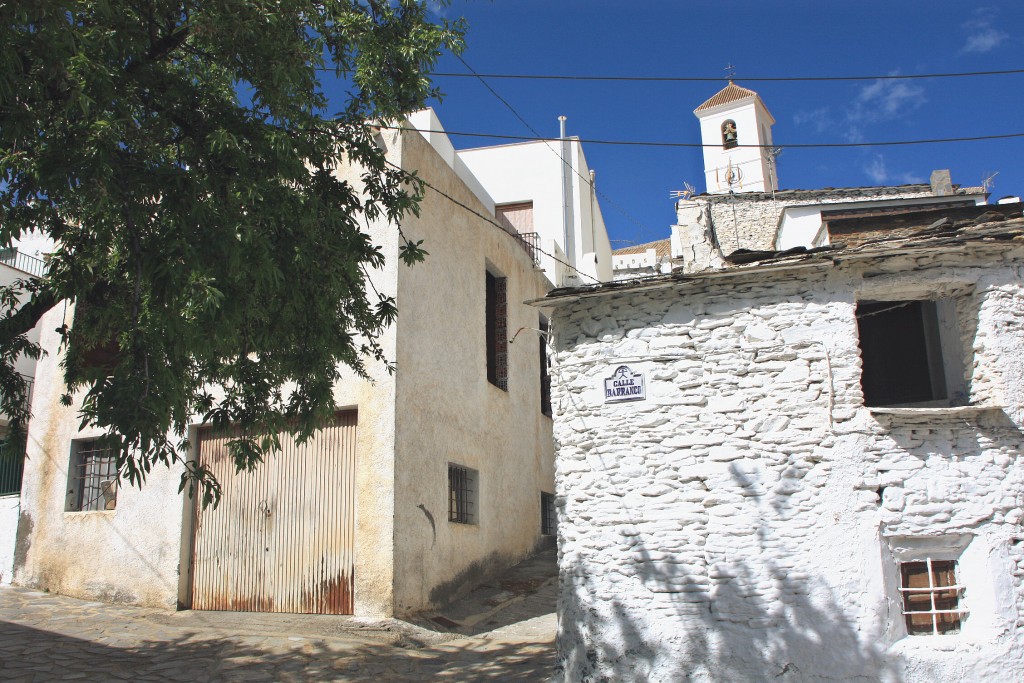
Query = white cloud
x=982 y=36
x=818 y=119
x=877 y=170
x=880 y=101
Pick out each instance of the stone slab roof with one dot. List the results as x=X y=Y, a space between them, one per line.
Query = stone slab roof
x=991 y=229
x=851 y=193
x=662 y=248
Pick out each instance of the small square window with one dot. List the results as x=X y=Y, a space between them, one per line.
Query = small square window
x=462 y=494
x=92 y=477
x=548 y=521
x=910 y=353
x=931 y=597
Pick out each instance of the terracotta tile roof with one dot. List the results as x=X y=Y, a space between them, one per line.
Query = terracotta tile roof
x=729 y=93
x=662 y=248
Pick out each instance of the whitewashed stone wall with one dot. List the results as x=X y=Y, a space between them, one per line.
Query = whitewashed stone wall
x=8 y=533
x=742 y=523
x=751 y=220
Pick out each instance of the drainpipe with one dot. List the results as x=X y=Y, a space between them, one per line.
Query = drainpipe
x=568 y=233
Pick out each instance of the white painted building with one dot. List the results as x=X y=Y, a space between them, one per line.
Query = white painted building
x=798 y=465
x=547 y=188
x=20 y=261
x=432 y=480
x=768 y=508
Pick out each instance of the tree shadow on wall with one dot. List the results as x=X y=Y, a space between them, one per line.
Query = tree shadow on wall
x=739 y=612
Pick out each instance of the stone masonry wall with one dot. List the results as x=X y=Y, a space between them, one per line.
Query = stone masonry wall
x=743 y=522
x=752 y=221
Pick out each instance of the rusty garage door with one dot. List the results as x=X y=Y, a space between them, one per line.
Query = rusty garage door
x=282 y=538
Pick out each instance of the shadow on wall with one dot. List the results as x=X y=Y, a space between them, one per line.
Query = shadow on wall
x=740 y=610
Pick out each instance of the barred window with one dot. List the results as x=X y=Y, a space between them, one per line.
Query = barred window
x=462 y=494
x=92 y=477
x=931 y=597
x=497 y=331
x=548 y=522
x=545 y=376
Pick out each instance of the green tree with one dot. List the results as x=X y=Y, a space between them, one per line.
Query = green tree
x=181 y=153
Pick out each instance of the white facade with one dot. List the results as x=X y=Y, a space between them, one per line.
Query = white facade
x=20 y=262
x=554 y=176
x=736 y=131
x=438 y=409
x=747 y=520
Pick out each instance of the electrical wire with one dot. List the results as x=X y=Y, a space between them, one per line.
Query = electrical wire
x=640 y=143
x=706 y=79
x=588 y=181
x=488 y=219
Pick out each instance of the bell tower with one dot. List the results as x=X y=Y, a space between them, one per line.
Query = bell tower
x=736 y=131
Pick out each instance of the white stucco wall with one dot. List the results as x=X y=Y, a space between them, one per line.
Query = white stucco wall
x=532 y=171
x=9 y=506
x=753 y=127
x=446 y=411
x=129 y=554
x=743 y=522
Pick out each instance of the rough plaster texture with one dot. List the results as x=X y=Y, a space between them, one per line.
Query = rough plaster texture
x=9 y=508
x=743 y=523
x=438 y=407
x=447 y=411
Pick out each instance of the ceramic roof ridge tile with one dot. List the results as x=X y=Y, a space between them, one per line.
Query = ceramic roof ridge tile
x=729 y=93
x=661 y=247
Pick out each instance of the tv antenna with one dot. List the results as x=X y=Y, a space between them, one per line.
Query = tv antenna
x=989 y=181
x=684 y=194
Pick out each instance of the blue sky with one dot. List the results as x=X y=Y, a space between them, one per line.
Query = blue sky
x=767 y=39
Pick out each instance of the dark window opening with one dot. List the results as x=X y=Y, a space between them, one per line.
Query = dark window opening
x=92 y=477
x=545 y=376
x=461 y=494
x=548 y=521
x=931 y=597
x=730 y=137
x=910 y=353
x=497 y=331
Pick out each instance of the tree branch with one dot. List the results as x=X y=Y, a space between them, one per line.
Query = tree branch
x=26 y=317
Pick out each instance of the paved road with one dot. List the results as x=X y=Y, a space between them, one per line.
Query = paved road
x=47 y=637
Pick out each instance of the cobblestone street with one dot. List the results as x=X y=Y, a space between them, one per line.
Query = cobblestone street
x=47 y=637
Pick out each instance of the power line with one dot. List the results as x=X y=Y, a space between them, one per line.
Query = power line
x=638 y=143
x=705 y=79
x=484 y=217
x=588 y=181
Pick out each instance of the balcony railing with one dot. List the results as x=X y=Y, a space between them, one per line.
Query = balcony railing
x=22 y=261
x=530 y=241
x=12 y=464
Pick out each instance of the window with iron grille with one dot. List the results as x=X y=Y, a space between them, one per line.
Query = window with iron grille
x=545 y=377
x=931 y=597
x=497 y=331
x=548 y=523
x=92 y=477
x=462 y=493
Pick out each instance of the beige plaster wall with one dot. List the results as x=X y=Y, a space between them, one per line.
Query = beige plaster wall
x=129 y=554
x=447 y=411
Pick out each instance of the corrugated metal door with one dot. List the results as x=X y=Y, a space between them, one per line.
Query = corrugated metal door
x=283 y=537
